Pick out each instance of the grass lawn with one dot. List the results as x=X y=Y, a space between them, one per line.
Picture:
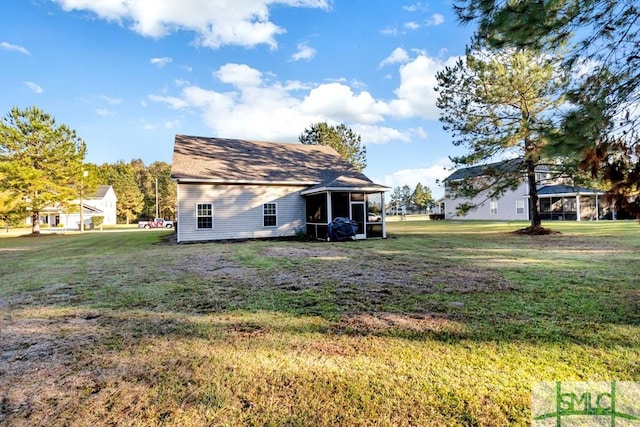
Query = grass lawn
x=443 y=323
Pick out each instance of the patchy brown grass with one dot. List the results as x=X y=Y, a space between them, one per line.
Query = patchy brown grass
x=427 y=329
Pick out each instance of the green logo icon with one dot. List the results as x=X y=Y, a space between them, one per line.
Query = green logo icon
x=564 y=404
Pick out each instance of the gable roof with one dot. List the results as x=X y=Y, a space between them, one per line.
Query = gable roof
x=102 y=191
x=239 y=161
x=480 y=170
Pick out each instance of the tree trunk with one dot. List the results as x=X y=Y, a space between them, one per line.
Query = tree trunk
x=35 y=223
x=534 y=212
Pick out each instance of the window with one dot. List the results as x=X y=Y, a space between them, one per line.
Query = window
x=204 y=215
x=519 y=207
x=269 y=215
x=493 y=208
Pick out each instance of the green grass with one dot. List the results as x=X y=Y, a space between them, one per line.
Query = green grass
x=443 y=323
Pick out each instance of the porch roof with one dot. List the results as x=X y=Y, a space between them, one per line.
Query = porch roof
x=346 y=183
x=567 y=190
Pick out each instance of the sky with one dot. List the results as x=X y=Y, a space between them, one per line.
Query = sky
x=128 y=75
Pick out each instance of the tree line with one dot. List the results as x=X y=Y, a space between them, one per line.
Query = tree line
x=42 y=165
x=420 y=198
x=138 y=188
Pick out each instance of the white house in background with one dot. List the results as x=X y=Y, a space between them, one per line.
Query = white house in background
x=102 y=203
x=238 y=189
x=557 y=200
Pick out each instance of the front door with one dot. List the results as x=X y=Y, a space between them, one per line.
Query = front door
x=358 y=214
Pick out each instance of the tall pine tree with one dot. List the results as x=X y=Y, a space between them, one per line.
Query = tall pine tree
x=40 y=161
x=501 y=104
x=341 y=138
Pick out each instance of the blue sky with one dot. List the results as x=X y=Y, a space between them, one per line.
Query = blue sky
x=128 y=75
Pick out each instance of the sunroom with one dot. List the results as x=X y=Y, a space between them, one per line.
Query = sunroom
x=361 y=201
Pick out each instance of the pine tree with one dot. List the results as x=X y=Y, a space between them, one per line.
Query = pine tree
x=40 y=161
x=341 y=138
x=501 y=103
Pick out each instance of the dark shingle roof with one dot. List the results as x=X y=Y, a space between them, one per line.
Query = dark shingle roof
x=102 y=191
x=566 y=189
x=346 y=182
x=480 y=170
x=200 y=159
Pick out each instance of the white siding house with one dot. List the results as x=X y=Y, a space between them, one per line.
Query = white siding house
x=512 y=206
x=236 y=189
x=102 y=203
x=556 y=199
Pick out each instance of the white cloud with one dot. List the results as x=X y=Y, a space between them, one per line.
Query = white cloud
x=416 y=96
x=103 y=112
x=111 y=101
x=14 y=48
x=337 y=102
x=34 y=87
x=216 y=23
x=417 y=7
x=181 y=82
x=436 y=19
x=161 y=62
x=373 y=134
x=411 y=25
x=399 y=55
x=239 y=75
x=304 y=52
x=256 y=105
x=175 y=103
x=391 y=31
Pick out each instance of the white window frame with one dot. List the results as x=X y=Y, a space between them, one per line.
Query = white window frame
x=274 y=214
x=493 y=207
x=198 y=215
x=520 y=207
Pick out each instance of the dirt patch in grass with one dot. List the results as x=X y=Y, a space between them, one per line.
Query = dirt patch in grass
x=536 y=231
x=39 y=365
x=386 y=323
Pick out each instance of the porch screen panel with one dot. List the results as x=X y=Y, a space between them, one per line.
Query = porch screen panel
x=317 y=208
x=340 y=205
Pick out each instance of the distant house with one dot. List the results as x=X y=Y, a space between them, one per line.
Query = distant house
x=557 y=199
x=102 y=203
x=239 y=189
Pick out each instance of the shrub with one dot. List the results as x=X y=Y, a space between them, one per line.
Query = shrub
x=97 y=220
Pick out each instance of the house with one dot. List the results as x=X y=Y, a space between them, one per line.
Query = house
x=239 y=189
x=102 y=203
x=557 y=199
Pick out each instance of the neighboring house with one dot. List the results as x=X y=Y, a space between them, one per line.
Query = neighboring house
x=103 y=203
x=557 y=200
x=239 y=189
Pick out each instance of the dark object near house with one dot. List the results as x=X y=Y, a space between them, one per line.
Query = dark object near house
x=342 y=229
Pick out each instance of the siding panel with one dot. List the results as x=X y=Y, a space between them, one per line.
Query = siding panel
x=238 y=211
x=506 y=206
